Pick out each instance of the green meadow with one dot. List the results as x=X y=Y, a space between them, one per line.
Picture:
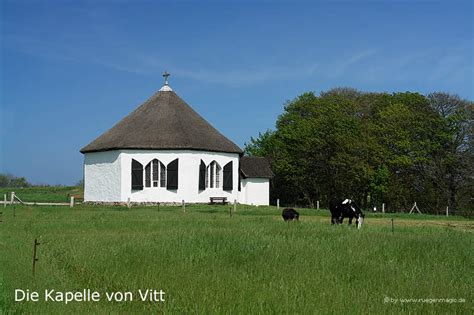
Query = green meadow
x=208 y=262
x=44 y=193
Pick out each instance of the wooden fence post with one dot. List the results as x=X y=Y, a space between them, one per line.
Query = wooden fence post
x=71 y=202
x=278 y=204
x=184 y=206
x=35 y=259
x=447 y=211
x=12 y=197
x=317 y=205
x=4 y=200
x=383 y=208
x=128 y=202
x=235 y=205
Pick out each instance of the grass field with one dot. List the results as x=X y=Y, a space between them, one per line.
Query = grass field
x=207 y=262
x=44 y=194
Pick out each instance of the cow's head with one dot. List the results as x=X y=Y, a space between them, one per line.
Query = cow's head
x=357 y=211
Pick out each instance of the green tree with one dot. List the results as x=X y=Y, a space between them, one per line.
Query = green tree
x=370 y=147
x=8 y=180
x=452 y=167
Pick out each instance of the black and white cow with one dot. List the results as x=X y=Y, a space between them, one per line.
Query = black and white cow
x=346 y=209
x=290 y=214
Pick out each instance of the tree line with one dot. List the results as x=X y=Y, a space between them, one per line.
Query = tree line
x=373 y=148
x=8 y=180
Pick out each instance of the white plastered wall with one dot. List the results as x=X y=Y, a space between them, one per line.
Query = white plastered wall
x=255 y=191
x=102 y=176
x=188 y=176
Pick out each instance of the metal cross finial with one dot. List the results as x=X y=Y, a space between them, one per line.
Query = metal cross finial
x=166 y=75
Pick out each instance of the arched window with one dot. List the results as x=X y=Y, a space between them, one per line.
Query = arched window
x=148 y=175
x=213 y=175
x=155 y=163
x=218 y=175
x=155 y=174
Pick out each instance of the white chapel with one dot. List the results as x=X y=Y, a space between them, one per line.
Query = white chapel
x=166 y=152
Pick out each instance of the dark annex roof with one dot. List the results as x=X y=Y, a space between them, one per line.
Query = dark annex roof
x=255 y=167
x=164 y=121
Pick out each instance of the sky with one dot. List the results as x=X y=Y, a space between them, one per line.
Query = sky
x=70 y=70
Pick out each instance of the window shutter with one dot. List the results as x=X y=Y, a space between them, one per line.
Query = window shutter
x=228 y=185
x=172 y=175
x=137 y=175
x=148 y=175
x=240 y=180
x=202 y=176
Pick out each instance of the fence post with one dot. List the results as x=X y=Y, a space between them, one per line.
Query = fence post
x=35 y=259
x=128 y=202
x=392 y=225
x=317 y=205
x=71 y=202
x=278 y=204
x=235 y=205
x=383 y=208
x=184 y=206
x=12 y=197
x=4 y=200
x=447 y=211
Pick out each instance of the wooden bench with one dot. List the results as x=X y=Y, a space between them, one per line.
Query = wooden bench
x=213 y=200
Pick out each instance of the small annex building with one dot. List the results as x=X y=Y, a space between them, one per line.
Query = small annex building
x=166 y=152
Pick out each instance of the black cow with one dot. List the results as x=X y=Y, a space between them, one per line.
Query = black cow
x=290 y=214
x=346 y=209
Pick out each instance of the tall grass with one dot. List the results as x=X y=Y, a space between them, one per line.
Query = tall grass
x=210 y=263
x=44 y=194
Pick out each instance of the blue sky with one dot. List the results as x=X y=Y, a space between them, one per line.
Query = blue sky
x=71 y=69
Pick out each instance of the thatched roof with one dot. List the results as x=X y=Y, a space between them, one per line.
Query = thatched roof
x=164 y=121
x=255 y=167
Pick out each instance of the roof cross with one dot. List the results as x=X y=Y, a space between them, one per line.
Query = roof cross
x=166 y=75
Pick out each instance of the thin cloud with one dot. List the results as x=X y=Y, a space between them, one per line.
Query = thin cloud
x=368 y=65
x=343 y=66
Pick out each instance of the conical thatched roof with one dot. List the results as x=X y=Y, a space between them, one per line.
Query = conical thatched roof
x=164 y=121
